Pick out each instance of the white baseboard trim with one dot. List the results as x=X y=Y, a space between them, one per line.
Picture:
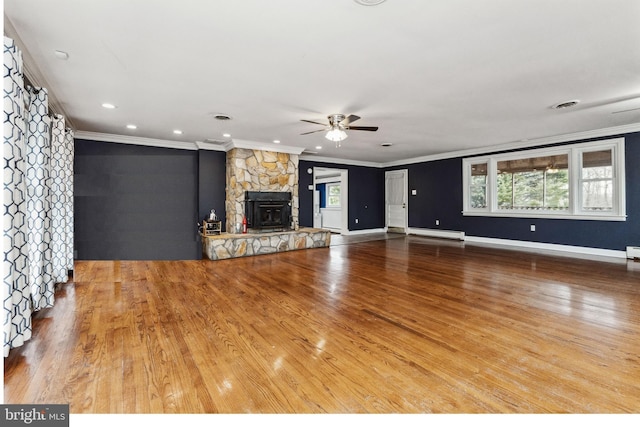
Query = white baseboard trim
x=333 y=230
x=367 y=231
x=578 y=251
x=445 y=234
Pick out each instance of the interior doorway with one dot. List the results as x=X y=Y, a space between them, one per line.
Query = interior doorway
x=331 y=199
x=396 y=196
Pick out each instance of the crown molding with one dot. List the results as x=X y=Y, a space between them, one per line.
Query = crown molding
x=313 y=158
x=254 y=145
x=182 y=145
x=537 y=142
x=220 y=145
x=212 y=145
x=135 y=140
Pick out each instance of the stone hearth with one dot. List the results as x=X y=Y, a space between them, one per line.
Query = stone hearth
x=225 y=246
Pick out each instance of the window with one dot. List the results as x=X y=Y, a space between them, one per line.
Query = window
x=597 y=181
x=333 y=195
x=535 y=183
x=583 y=181
x=478 y=186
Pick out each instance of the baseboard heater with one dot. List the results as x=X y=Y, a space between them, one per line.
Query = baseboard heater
x=429 y=232
x=633 y=252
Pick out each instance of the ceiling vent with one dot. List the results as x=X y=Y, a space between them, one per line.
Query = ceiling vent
x=566 y=104
x=220 y=116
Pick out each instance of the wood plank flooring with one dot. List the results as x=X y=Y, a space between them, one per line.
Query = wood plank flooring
x=402 y=325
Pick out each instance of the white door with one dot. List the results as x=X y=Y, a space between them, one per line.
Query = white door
x=396 y=188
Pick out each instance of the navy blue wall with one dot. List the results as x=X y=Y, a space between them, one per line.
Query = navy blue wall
x=135 y=202
x=439 y=196
x=211 y=184
x=365 y=191
x=322 y=194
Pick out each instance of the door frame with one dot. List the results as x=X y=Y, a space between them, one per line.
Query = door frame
x=344 y=192
x=405 y=176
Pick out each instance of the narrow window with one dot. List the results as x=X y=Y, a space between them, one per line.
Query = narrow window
x=333 y=195
x=478 y=186
x=597 y=181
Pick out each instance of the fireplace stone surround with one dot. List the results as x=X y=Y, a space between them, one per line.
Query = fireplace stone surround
x=250 y=170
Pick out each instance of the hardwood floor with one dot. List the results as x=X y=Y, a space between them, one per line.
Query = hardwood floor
x=402 y=325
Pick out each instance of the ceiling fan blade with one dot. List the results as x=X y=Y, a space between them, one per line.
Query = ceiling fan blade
x=315 y=123
x=352 y=118
x=369 y=128
x=313 y=131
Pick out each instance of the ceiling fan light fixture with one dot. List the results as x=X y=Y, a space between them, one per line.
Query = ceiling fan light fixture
x=336 y=135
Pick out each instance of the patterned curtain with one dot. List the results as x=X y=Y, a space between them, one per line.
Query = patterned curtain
x=17 y=293
x=61 y=199
x=39 y=199
x=38 y=202
x=69 y=151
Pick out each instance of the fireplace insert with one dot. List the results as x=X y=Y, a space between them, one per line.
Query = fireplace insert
x=268 y=210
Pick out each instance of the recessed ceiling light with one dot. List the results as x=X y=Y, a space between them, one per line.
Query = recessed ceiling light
x=318 y=147
x=108 y=106
x=276 y=141
x=177 y=132
x=226 y=135
x=132 y=127
x=566 y=104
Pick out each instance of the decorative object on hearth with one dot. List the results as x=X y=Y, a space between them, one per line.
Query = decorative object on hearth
x=211 y=227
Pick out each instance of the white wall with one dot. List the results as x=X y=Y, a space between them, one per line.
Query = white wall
x=331 y=218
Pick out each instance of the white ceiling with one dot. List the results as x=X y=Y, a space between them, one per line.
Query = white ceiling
x=436 y=76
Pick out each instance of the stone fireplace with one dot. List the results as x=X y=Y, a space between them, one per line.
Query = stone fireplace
x=251 y=171
x=263 y=185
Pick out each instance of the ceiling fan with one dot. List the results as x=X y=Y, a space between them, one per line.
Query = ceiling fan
x=337 y=127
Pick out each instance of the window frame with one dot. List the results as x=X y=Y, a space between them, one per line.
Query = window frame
x=328 y=195
x=575 y=209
